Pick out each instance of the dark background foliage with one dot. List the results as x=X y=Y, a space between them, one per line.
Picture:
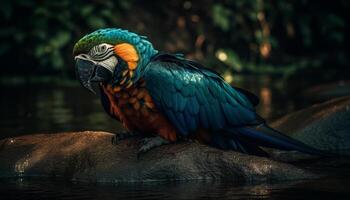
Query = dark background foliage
x=241 y=36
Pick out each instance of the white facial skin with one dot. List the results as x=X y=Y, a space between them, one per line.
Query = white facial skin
x=103 y=55
x=109 y=63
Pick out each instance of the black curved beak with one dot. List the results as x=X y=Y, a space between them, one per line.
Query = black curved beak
x=89 y=72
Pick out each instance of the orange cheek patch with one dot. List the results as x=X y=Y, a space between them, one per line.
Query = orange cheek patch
x=132 y=65
x=128 y=53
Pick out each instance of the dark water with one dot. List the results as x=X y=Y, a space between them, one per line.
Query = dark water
x=49 y=109
x=45 y=108
x=44 y=189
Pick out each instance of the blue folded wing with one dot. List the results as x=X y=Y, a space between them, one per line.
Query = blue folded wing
x=193 y=97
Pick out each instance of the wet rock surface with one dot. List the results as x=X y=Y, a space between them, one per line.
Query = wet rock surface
x=327 y=91
x=91 y=156
x=324 y=126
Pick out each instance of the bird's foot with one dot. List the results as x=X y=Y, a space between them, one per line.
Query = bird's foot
x=122 y=135
x=150 y=143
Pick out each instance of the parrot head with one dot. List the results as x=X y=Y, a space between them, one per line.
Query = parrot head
x=113 y=56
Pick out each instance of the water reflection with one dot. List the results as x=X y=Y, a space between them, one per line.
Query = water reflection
x=42 y=109
x=265 y=99
x=45 y=189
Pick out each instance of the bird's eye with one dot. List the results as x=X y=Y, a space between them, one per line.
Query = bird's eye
x=101 y=52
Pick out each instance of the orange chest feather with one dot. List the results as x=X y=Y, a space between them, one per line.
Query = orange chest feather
x=137 y=111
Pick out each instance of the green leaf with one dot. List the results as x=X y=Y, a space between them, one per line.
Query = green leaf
x=96 y=22
x=221 y=17
x=61 y=39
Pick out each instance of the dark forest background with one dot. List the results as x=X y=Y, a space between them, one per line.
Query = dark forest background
x=275 y=37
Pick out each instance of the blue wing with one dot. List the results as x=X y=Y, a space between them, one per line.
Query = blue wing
x=191 y=96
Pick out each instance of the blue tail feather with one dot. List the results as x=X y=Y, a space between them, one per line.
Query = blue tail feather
x=227 y=141
x=264 y=135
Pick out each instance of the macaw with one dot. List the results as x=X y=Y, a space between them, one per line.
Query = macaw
x=167 y=98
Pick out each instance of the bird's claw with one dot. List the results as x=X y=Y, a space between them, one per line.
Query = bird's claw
x=149 y=143
x=122 y=135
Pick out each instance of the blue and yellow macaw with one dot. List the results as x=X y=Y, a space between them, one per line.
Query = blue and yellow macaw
x=169 y=98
